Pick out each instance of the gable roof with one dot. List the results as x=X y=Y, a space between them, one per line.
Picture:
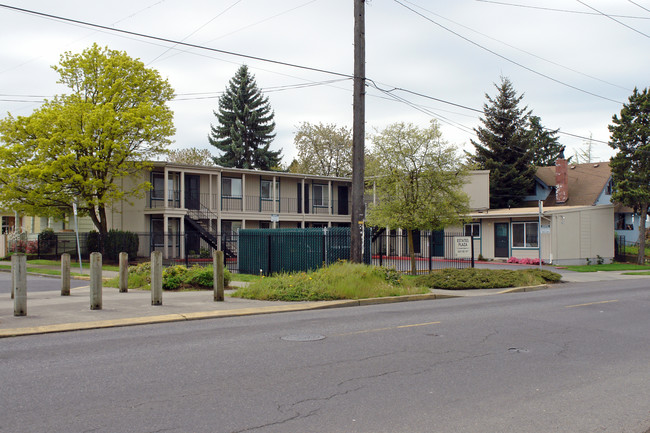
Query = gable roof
x=586 y=182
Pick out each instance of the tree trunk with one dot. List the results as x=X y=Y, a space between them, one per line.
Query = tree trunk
x=644 y=214
x=411 y=251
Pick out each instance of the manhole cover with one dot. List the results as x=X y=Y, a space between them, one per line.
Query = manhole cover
x=303 y=337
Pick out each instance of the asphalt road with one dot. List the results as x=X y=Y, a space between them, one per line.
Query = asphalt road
x=569 y=359
x=37 y=283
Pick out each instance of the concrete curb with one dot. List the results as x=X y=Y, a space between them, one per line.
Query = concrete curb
x=214 y=314
x=524 y=289
x=148 y=320
x=167 y=318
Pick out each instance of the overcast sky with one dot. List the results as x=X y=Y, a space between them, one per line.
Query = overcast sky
x=576 y=62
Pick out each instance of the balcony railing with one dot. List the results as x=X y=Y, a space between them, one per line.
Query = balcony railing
x=156 y=199
x=251 y=204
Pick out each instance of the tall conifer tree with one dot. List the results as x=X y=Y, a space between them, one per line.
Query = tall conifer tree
x=547 y=148
x=245 y=126
x=505 y=147
x=630 y=137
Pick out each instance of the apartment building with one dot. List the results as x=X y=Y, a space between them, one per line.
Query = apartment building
x=215 y=201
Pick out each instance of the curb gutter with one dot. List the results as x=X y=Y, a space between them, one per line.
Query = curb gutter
x=168 y=318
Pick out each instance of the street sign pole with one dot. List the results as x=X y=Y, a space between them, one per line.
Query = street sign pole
x=76 y=230
x=539 y=233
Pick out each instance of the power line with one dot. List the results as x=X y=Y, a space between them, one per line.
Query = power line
x=424 y=110
x=214 y=95
x=558 y=10
x=518 y=49
x=506 y=58
x=197 y=29
x=346 y=76
x=413 y=105
x=172 y=41
x=613 y=19
x=642 y=7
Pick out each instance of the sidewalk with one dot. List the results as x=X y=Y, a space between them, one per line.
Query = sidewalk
x=48 y=311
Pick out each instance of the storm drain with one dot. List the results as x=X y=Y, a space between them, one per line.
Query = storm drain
x=303 y=337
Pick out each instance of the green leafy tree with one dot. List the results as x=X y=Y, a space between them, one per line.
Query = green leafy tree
x=546 y=146
x=420 y=182
x=505 y=147
x=78 y=145
x=191 y=156
x=245 y=126
x=630 y=136
x=323 y=150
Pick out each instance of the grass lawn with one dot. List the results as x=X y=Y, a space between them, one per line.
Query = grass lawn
x=352 y=281
x=43 y=271
x=73 y=263
x=609 y=267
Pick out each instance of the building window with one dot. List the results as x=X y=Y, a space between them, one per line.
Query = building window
x=8 y=224
x=525 y=235
x=266 y=187
x=321 y=196
x=473 y=229
x=231 y=187
x=622 y=221
x=230 y=227
x=610 y=187
x=158 y=182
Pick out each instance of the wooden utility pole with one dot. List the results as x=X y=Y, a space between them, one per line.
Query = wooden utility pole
x=358 y=133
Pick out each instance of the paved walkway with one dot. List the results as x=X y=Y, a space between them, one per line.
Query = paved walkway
x=48 y=311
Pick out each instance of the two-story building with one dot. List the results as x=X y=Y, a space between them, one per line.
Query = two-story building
x=217 y=201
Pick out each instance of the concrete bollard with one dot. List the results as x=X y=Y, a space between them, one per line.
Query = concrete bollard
x=65 y=274
x=19 y=285
x=217 y=275
x=156 y=278
x=95 y=281
x=124 y=272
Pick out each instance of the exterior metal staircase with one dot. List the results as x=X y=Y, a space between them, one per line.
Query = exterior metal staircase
x=196 y=218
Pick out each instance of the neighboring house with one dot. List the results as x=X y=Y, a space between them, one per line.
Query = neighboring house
x=577 y=218
x=588 y=185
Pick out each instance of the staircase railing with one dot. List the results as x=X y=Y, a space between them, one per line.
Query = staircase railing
x=194 y=216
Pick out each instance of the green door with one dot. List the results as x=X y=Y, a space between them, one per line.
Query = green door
x=501 y=240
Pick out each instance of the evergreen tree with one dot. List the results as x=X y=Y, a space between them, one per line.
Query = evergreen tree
x=505 y=147
x=630 y=136
x=546 y=147
x=245 y=129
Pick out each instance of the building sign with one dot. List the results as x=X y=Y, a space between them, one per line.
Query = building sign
x=463 y=247
x=545 y=229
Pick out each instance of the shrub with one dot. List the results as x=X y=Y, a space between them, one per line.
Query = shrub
x=524 y=261
x=115 y=242
x=47 y=240
x=473 y=278
x=199 y=276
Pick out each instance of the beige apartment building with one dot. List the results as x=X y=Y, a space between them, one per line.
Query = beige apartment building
x=219 y=201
